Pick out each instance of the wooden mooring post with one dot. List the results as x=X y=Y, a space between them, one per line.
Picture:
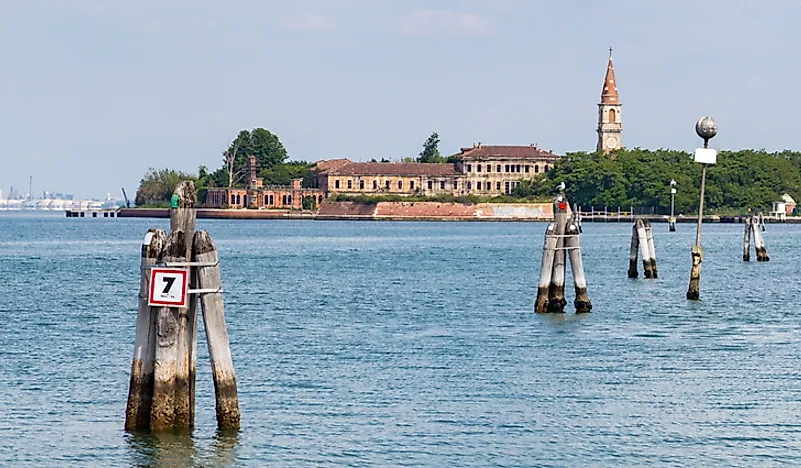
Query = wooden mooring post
x=642 y=239
x=754 y=225
x=140 y=390
x=561 y=238
x=162 y=389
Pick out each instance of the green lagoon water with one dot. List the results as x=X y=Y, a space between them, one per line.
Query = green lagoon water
x=411 y=344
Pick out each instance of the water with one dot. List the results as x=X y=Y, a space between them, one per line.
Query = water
x=411 y=344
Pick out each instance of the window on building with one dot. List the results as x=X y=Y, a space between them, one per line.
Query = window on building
x=478 y=167
x=506 y=187
x=430 y=185
x=536 y=168
x=517 y=168
x=283 y=200
x=478 y=185
x=506 y=167
x=336 y=185
x=442 y=185
x=455 y=185
x=400 y=185
x=612 y=116
x=498 y=186
x=489 y=167
x=361 y=185
x=238 y=199
x=272 y=199
x=350 y=184
x=411 y=184
x=469 y=168
x=233 y=199
x=546 y=168
x=498 y=168
x=527 y=168
x=289 y=199
x=266 y=200
x=386 y=184
x=469 y=186
x=375 y=185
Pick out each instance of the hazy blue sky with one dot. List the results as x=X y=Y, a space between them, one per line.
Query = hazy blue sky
x=93 y=92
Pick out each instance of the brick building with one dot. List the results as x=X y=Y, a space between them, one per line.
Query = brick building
x=257 y=195
x=481 y=170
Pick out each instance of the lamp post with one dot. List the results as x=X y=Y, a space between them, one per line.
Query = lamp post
x=706 y=128
x=672 y=219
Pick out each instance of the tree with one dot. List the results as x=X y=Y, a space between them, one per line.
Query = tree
x=261 y=143
x=157 y=185
x=232 y=156
x=430 y=153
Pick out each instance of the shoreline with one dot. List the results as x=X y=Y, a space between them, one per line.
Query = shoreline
x=245 y=214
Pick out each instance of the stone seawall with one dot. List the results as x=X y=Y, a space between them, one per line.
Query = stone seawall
x=433 y=211
x=385 y=211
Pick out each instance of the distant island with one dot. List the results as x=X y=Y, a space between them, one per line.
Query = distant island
x=256 y=163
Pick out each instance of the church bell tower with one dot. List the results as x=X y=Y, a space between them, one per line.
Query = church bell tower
x=609 y=115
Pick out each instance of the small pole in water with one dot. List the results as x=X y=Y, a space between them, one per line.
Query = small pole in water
x=573 y=246
x=706 y=128
x=672 y=219
x=645 y=253
x=759 y=242
x=747 y=240
x=548 y=252
x=556 y=291
x=635 y=244
x=649 y=234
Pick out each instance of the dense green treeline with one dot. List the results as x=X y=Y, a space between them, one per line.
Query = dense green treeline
x=640 y=178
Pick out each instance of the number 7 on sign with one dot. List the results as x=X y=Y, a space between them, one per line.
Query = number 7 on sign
x=168 y=287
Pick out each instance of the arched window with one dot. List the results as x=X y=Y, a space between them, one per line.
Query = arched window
x=361 y=185
x=283 y=200
x=546 y=168
x=238 y=199
x=289 y=200
x=612 y=116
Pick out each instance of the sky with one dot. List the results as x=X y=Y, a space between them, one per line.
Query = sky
x=95 y=92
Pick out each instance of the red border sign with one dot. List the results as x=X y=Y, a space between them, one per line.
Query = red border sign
x=175 y=292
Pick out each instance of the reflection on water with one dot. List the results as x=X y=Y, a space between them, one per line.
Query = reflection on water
x=178 y=449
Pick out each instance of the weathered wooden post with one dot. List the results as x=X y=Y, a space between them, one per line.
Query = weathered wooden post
x=572 y=244
x=759 y=242
x=209 y=285
x=548 y=251
x=747 y=240
x=556 y=291
x=635 y=244
x=171 y=402
x=183 y=216
x=140 y=390
x=649 y=234
x=642 y=241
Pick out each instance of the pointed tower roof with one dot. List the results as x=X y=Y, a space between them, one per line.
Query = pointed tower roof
x=609 y=93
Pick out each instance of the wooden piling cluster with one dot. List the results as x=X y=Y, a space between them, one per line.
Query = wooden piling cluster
x=754 y=225
x=642 y=239
x=162 y=388
x=561 y=240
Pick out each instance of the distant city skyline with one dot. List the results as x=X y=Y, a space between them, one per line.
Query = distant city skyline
x=95 y=92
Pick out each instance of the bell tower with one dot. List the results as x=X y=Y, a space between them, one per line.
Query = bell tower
x=609 y=113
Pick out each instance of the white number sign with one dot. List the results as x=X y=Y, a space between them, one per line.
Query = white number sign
x=168 y=287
